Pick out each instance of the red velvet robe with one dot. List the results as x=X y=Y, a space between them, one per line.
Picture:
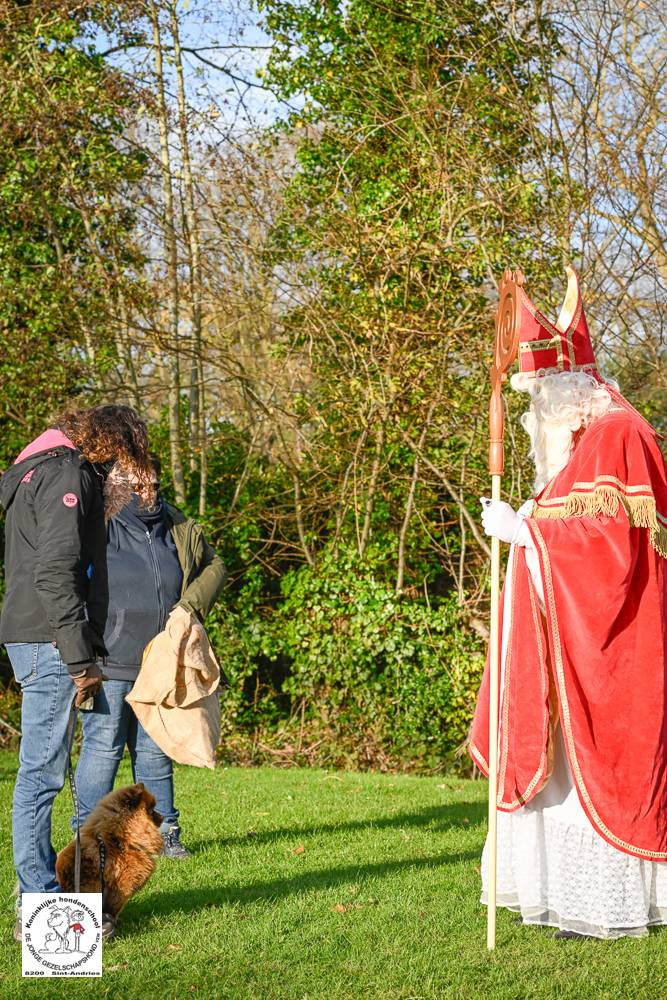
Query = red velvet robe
x=598 y=659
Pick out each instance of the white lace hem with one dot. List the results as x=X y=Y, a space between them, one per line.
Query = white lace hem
x=549 y=918
x=556 y=871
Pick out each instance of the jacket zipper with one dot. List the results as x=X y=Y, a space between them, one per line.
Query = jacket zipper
x=156 y=571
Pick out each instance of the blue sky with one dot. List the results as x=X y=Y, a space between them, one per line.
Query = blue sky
x=230 y=37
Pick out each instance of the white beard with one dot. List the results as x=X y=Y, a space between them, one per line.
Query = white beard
x=561 y=404
x=551 y=446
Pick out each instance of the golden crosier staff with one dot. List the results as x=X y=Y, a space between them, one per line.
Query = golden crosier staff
x=508 y=320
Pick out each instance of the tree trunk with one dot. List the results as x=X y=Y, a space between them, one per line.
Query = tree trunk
x=372 y=487
x=203 y=454
x=171 y=253
x=196 y=416
x=400 y=575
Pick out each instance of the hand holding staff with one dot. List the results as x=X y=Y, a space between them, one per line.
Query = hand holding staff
x=508 y=319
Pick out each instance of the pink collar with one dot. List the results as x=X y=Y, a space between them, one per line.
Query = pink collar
x=51 y=438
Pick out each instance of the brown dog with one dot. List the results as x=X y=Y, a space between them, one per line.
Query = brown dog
x=128 y=824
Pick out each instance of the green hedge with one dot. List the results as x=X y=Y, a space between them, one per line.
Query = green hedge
x=338 y=669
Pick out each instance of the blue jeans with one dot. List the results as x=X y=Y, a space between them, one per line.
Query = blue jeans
x=106 y=730
x=48 y=692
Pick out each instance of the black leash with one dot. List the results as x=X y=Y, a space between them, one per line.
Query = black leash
x=71 y=729
x=103 y=856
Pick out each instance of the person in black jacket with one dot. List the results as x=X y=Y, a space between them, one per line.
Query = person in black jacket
x=157 y=560
x=53 y=619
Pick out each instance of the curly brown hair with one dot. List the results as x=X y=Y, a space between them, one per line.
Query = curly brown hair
x=109 y=433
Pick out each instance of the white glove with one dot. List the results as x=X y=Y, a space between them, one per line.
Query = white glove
x=500 y=521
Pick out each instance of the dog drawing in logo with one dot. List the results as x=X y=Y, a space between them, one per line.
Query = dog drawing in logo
x=129 y=826
x=50 y=944
x=56 y=941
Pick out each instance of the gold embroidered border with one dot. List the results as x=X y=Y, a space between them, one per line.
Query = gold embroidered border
x=601 y=499
x=535 y=346
x=546 y=494
x=565 y=712
x=574 y=322
x=558 y=337
x=584 y=486
x=474 y=750
x=573 y=368
x=507 y=666
x=539 y=775
x=479 y=758
x=537 y=625
x=540 y=317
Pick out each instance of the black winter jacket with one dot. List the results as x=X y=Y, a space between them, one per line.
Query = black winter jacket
x=55 y=543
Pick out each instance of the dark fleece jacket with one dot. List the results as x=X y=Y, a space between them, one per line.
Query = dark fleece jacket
x=145 y=583
x=55 y=542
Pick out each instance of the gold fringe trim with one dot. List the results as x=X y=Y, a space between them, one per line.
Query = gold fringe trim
x=604 y=501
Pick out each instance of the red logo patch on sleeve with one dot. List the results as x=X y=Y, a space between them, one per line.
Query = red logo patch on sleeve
x=70 y=500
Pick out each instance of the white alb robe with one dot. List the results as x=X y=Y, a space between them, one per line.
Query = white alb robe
x=552 y=866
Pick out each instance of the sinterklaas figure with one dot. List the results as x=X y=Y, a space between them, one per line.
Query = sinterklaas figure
x=582 y=745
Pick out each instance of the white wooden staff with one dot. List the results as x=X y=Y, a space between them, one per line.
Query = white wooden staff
x=508 y=321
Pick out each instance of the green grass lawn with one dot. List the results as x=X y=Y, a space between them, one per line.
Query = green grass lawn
x=308 y=884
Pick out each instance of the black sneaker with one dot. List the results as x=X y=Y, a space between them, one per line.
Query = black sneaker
x=108 y=926
x=173 y=848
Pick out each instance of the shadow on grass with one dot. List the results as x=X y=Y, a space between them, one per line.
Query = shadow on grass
x=212 y=897
x=437 y=818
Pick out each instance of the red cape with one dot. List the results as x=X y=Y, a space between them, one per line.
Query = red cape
x=600 y=653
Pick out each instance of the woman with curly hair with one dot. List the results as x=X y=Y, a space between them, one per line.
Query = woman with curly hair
x=159 y=564
x=112 y=435
x=53 y=616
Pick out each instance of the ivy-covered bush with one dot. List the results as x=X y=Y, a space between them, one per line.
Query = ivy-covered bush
x=340 y=670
